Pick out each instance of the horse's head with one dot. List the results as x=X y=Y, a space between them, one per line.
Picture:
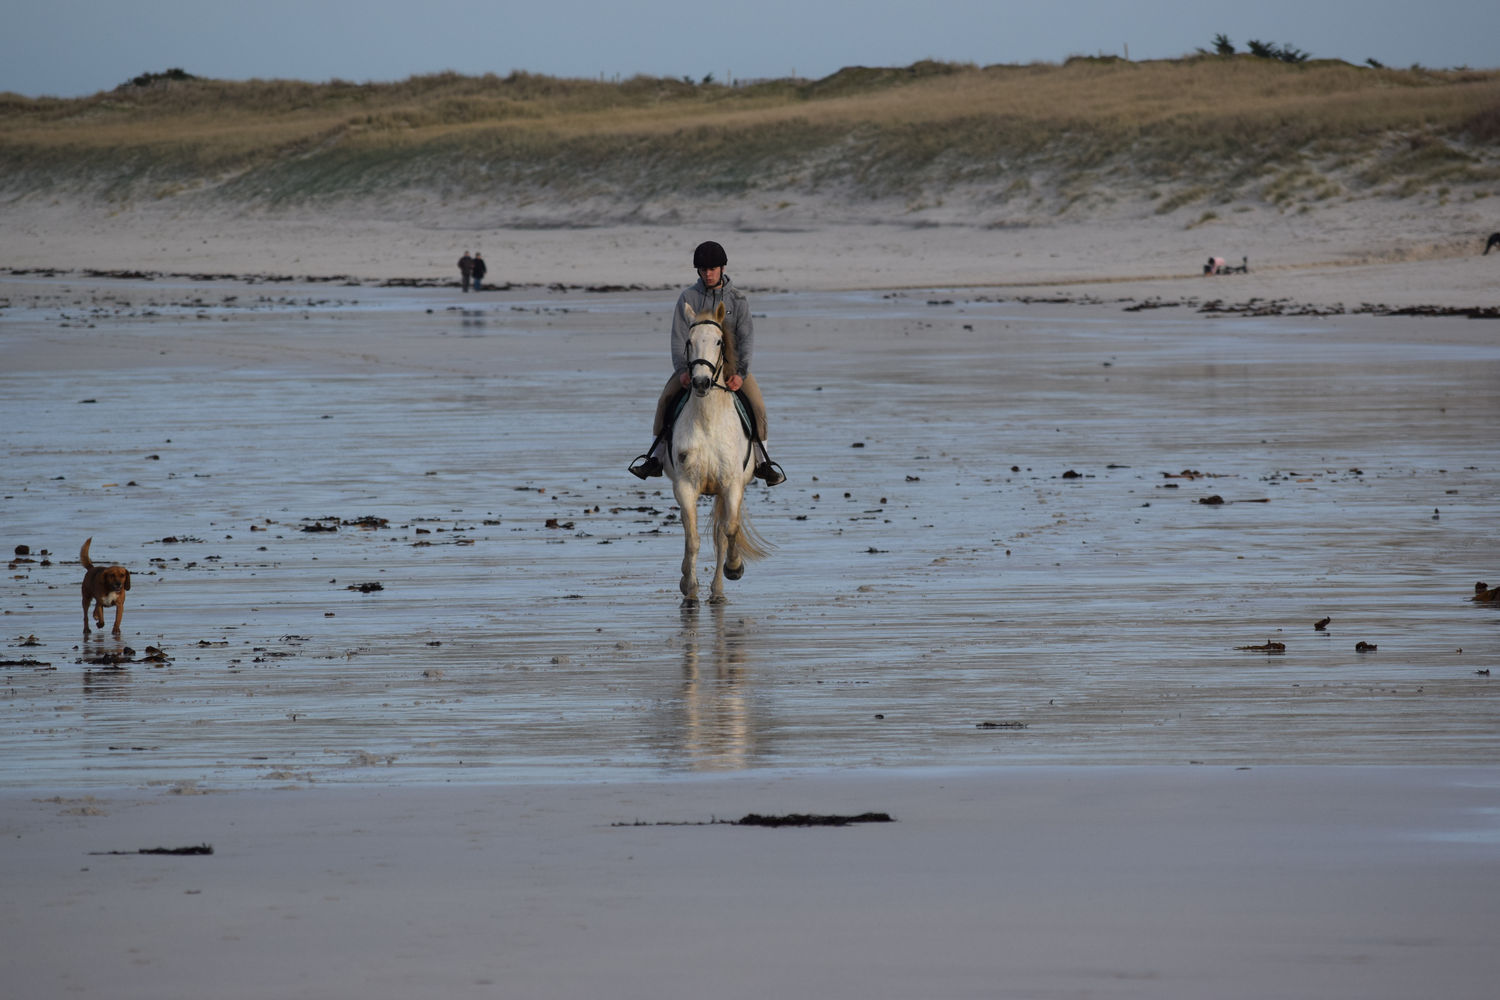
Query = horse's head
x=705 y=346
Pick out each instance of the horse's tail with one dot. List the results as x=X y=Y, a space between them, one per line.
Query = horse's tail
x=750 y=545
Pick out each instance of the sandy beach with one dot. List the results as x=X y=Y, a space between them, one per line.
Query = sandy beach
x=1044 y=882
x=1372 y=251
x=426 y=689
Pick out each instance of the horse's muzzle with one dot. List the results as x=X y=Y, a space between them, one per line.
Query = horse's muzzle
x=701 y=384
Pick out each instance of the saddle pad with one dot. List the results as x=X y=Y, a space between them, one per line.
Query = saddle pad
x=739 y=406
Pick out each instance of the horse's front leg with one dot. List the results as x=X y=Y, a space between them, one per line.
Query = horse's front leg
x=687 y=503
x=726 y=538
x=734 y=562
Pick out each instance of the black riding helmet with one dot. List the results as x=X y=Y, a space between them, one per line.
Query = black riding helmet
x=709 y=254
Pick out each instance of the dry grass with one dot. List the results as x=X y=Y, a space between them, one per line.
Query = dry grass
x=1203 y=128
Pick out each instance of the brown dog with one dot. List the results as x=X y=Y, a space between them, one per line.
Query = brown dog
x=105 y=586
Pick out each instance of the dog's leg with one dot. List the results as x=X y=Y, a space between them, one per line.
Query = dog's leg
x=86 y=628
x=119 y=611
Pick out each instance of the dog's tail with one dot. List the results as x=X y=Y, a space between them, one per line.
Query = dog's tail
x=83 y=553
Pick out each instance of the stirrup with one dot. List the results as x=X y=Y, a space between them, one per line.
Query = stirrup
x=770 y=472
x=644 y=466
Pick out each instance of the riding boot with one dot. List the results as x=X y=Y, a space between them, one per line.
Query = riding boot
x=647 y=465
x=767 y=469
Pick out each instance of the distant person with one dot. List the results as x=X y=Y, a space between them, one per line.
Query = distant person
x=712 y=288
x=1492 y=244
x=480 y=269
x=465 y=269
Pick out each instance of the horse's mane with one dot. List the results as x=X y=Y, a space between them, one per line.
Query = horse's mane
x=731 y=354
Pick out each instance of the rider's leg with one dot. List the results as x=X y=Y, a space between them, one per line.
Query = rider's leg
x=649 y=464
x=669 y=394
x=764 y=467
x=750 y=393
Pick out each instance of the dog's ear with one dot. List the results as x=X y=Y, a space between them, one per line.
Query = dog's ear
x=127 y=579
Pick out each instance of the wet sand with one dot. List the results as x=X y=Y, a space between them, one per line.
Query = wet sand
x=996 y=513
x=1011 y=883
x=999 y=552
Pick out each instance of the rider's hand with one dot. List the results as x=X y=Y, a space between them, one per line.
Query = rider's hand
x=734 y=383
x=684 y=379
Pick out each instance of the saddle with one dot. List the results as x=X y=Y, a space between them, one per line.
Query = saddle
x=747 y=422
x=646 y=466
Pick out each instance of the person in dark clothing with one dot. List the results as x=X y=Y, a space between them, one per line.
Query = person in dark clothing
x=480 y=269
x=465 y=269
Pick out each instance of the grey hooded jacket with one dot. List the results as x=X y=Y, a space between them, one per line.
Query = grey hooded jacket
x=736 y=319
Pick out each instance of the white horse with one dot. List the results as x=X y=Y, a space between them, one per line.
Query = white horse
x=709 y=454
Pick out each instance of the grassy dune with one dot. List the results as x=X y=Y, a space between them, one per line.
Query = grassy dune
x=1203 y=134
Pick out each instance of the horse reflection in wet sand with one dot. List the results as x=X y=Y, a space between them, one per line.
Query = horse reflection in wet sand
x=709 y=454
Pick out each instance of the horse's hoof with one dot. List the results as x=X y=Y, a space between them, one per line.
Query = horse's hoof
x=718 y=599
x=689 y=604
x=734 y=572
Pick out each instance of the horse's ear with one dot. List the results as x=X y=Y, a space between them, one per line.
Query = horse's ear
x=687 y=311
x=719 y=313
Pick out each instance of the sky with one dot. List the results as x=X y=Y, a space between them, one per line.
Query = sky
x=71 y=48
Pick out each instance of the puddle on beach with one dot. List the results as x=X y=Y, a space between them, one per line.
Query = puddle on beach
x=987 y=550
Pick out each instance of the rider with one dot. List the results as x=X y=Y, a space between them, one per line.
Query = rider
x=712 y=287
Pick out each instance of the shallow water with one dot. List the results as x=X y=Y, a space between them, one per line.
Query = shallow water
x=979 y=527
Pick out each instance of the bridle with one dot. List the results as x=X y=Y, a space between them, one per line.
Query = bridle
x=714 y=367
